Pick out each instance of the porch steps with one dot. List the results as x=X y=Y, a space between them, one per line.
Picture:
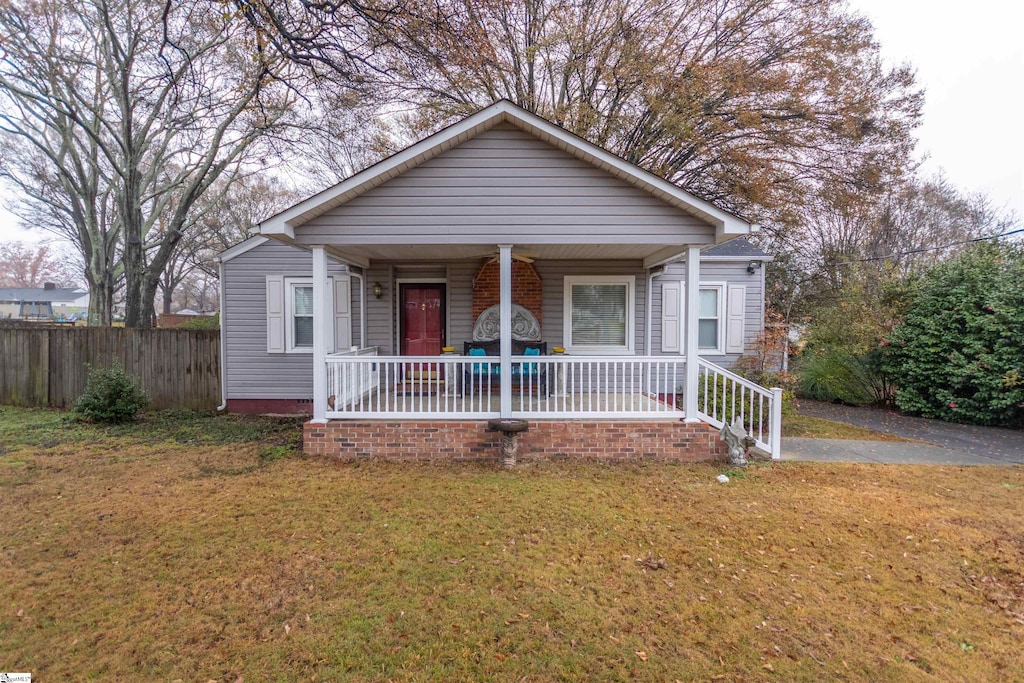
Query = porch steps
x=420 y=387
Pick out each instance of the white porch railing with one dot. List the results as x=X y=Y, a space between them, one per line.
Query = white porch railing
x=370 y=386
x=364 y=385
x=723 y=396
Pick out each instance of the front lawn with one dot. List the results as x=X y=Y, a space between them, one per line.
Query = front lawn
x=216 y=552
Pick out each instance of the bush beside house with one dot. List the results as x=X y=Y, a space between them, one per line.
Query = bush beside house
x=959 y=352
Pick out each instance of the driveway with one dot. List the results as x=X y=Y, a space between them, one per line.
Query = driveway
x=943 y=442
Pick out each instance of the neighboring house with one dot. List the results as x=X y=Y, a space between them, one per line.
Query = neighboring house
x=576 y=284
x=48 y=302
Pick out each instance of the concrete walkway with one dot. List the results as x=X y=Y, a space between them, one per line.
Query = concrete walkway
x=891 y=452
x=944 y=443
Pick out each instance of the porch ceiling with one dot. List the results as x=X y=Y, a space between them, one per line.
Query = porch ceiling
x=540 y=252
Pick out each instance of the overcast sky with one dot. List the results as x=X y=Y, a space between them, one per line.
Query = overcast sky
x=969 y=59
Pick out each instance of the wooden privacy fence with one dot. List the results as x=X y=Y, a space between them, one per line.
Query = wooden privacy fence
x=48 y=366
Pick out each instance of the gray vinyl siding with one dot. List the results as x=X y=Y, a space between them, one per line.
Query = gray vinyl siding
x=380 y=311
x=460 y=302
x=729 y=272
x=505 y=185
x=251 y=372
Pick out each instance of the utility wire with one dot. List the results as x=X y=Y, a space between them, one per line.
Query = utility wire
x=927 y=249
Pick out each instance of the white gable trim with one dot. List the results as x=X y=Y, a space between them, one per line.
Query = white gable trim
x=284 y=224
x=241 y=248
x=744 y=259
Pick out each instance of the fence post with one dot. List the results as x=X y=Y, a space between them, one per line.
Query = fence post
x=776 y=424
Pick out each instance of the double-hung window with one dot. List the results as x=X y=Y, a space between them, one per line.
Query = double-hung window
x=599 y=314
x=299 y=316
x=709 y=318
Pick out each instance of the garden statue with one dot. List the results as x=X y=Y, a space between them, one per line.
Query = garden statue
x=736 y=439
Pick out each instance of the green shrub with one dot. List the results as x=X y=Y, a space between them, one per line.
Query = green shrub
x=110 y=396
x=959 y=354
x=730 y=400
x=837 y=375
x=202 y=322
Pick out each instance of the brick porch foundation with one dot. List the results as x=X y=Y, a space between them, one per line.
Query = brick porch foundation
x=470 y=440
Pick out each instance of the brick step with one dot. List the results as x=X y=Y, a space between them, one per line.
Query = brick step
x=426 y=387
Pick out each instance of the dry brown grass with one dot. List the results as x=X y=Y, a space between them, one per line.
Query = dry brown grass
x=125 y=560
x=820 y=428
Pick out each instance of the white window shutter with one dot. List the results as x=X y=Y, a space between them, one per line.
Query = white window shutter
x=671 y=316
x=342 y=313
x=736 y=309
x=275 y=314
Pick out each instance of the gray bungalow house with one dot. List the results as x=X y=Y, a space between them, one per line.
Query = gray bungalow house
x=500 y=268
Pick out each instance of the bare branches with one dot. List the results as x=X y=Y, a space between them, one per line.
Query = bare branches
x=102 y=118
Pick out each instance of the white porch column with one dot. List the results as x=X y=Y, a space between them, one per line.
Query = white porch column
x=321 y=324
x=505 y=259
x=692 y=318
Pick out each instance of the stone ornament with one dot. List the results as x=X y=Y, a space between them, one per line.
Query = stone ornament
x=735 y=437
x=524 y=325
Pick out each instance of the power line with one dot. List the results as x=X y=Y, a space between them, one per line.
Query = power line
x=927 y=249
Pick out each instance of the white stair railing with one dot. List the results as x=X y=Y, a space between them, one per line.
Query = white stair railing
x=723 y=397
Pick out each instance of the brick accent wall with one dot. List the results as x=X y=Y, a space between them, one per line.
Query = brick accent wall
x=526 y=288
x=470 y=440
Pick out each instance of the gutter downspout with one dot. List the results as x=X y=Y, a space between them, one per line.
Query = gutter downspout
x=651 y=274
x=362 y=307
x=223 y=342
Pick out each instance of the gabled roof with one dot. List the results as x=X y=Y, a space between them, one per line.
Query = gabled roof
x=503 y=111
x=739 y=249
x=241 y=248
x=38 y=294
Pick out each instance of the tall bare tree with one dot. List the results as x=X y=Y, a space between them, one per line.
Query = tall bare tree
x=132 y=110
x=221 y=218
x=751 y=103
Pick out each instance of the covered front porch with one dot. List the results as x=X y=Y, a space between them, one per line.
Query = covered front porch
x=529 y=379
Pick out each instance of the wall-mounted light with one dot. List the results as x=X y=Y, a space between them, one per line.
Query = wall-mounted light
x=377 y=289
x=753 y=266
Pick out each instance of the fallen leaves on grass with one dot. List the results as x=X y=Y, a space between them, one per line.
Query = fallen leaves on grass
x=215 y=577
x=650 y=562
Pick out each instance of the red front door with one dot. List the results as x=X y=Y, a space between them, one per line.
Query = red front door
x=422 y=319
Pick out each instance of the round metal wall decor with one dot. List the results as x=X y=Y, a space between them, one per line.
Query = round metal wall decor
x=524 y=325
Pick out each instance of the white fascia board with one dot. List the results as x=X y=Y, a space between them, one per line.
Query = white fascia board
x=240 y=248
x=726 y=225
x=737 y=258
x=663 y=256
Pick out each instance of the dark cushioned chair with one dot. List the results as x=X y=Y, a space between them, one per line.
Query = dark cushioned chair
x=534 y=375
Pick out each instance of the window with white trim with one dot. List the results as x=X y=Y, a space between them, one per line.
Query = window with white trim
x=709 y=319
x=599 y=314
x=299 y=315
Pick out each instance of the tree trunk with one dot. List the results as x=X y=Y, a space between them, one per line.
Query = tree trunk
x=101 y=303
x=166 y=292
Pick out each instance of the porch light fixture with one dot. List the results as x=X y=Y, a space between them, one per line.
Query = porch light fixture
x=753 y=266
x=378 y=290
